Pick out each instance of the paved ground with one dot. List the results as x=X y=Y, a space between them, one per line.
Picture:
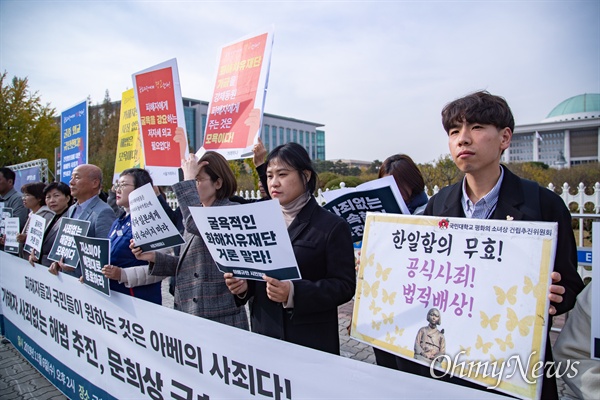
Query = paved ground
x=19 y=380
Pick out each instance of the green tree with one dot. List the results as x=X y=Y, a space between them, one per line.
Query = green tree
x=325 y=177
x=374 y=167
x=28 y=129
x=448 y=172
x=323 y=166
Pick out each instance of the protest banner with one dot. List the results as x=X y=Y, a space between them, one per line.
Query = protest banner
x=12 y=230
x=236 y=108
x=151 y=227
x=73 y=139
x=94 y=254
x=249 y=240
x=130 y=153
x=161 y=120
x=35 y=234
x=64 y=245
x=120 y=347
x=27 y=175
x=487 y=281
x=352 y=204
x=5 y=213
x=595 y=312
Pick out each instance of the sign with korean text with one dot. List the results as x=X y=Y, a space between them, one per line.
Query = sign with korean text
x=236 y=109
x=73 y=139
x=130 y=152
x=120 y=347
x=595 y=323
x=11 y=231
x=94 y=254
x=35 y=234
x=161 y=120
x=352 y=204
x=249 y=240
x=151 y=227
x=64 y=246
x=5 y=213
x=453 y=293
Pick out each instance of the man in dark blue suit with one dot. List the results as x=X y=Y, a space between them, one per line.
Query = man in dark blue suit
x=86 y=183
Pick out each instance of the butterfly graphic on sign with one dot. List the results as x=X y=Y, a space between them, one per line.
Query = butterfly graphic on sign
x=510 y=295
x=523 y=324
x=388 y=297
x=484 y=346
x=487 y=321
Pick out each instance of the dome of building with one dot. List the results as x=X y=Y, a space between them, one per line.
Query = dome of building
x=582 y=106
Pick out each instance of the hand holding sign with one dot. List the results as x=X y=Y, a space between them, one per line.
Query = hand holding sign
x=149 y=256
x=278 y=291
x=235 y=285
x=555 y=292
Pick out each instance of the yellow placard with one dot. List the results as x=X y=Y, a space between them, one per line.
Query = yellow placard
x=130 y=153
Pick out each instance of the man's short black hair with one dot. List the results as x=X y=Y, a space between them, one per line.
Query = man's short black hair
x=479 y=107
x=8 y=174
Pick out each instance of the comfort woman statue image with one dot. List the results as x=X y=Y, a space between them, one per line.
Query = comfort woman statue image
x=430 y=342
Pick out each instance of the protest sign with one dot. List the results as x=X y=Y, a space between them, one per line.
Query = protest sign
x=130 y=153
x=352 y=204
x=249 y=240
x=5 y=213
x=120 y=347
x=151 y=227
x=236 y=109
x=161 y=120
x=595 y=312
x=35 y=234
x=64 y=245
x=94 y=254
x=12 y=230
x=484 y=281
x=73 y=139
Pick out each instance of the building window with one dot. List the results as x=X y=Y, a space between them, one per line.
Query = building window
x=266 y=137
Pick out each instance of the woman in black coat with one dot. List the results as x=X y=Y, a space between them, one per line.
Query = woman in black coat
x=303 y=311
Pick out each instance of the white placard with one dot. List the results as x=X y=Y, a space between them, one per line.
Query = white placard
x=488 y=280
x=151 y=227
x=249 y=240
x=35 y=235
x=11 y=231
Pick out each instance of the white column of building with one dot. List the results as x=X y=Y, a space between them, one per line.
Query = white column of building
x=536 y=148
x=567 y=147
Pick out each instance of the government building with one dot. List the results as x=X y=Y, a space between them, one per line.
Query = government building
x=276 y=129
x=568 y=136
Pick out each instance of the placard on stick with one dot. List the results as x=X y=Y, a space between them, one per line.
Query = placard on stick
x=94 y=254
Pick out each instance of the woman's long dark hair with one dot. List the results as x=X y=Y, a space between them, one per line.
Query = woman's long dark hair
x=296 y=156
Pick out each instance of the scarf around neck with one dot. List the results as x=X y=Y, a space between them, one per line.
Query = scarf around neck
x=292 y=209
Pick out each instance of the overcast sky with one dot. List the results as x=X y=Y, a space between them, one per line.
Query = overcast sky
x=375 y=73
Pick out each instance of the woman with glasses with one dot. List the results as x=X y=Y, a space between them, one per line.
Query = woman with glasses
x=58 y=199
x=199 y=286
x=34 y=200
x=135 y=282
x=303 y=311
